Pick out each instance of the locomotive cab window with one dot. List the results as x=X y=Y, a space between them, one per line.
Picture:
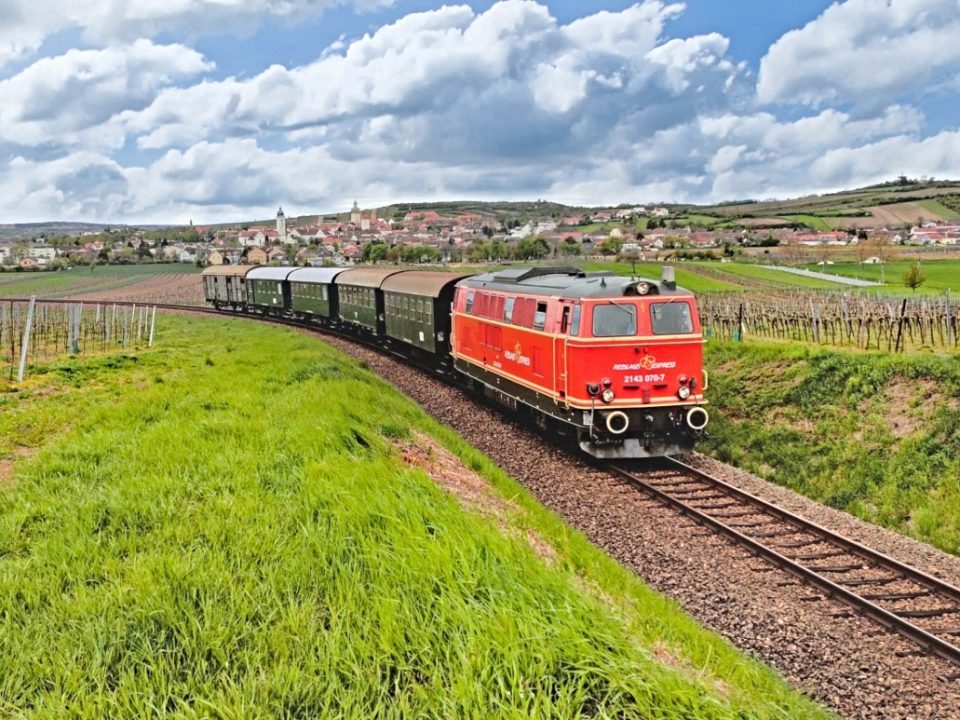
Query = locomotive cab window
x=575 y=325
x=540 y=317
x=508 y=309
x=614 y=320
x=671 y=318
x=469 y=302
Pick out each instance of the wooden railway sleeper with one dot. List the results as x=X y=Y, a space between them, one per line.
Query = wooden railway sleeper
x=730 y=503
x=869 y=581
x=694 y=491
x=898 y=596
x=837 y=568
x=800 y=544
x=724 y=516
x=933 y=612
x=782 y=532
x=756 y=523
x=820 y=555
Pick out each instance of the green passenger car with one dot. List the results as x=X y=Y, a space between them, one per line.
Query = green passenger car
x=417 y=308
x=265 y=287
x=312 y=292
x=410 y=318
x=359 y=297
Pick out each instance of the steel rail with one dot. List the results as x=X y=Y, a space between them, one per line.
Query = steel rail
x=885 y=617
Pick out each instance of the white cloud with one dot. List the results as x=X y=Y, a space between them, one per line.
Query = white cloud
x=444 y=104
x=57 y=100
x=24 y=24
x=865 y=52
x=507 y=82
x=80 y=185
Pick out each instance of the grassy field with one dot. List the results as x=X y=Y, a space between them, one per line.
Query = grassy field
x=226 y=526
x=687 y=278
x=79 y=279
x=941 y=274
x=811 y=221
x=775 y=278
x=937 y=208
x=874 y=434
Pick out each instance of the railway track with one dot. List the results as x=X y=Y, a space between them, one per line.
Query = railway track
x=902 y=598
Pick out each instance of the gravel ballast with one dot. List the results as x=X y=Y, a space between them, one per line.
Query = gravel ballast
x=819 y=644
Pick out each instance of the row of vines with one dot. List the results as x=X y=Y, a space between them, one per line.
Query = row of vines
x=50 y=331
x=876 y=323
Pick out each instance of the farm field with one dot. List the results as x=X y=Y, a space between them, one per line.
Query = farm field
x=811 y=221
x=175 y=541
x=774 y=278
x=941 y=274
x=78 y=280
x=873 y=434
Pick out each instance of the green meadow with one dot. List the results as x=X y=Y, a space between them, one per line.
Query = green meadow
x=223 y=526
x=941 y=275
x=874 y=434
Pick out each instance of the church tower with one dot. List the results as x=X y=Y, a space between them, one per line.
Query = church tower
x=281 y=225
x=355 y=214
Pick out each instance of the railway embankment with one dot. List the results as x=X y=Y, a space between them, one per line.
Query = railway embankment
x=876 y=435
x=242 y=521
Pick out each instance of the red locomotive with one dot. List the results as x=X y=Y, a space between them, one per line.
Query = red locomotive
x=616 y=361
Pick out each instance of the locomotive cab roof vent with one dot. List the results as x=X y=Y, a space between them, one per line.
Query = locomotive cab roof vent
x=516 y=275
x=668 y=278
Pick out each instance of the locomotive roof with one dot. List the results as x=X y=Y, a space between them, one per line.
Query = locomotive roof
x=420 y=282
x=565 y=282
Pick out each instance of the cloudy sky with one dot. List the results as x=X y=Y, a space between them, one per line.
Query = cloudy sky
x=215 y=110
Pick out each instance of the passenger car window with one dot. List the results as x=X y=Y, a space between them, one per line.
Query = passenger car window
x=614 y=320
x=671 y=318
x=540 y=317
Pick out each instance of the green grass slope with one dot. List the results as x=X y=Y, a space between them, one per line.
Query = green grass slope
x=223 y=527
x=874 y=434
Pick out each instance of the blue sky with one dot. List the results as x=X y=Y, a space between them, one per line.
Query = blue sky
x=216 y=110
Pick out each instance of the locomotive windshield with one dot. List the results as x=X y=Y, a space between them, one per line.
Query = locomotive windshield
x=671 y=318
x=614 y=320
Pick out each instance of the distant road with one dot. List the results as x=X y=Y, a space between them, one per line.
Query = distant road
x=824 y=276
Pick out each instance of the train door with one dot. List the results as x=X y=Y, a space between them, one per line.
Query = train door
x=560 y=351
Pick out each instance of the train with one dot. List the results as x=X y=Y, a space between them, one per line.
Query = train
x=612 y=363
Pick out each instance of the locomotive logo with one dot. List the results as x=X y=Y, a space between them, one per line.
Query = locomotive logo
x=517 y=349
x=647 y=362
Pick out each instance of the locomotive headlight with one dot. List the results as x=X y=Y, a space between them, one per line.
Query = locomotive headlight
x=684 y=392
x=607 y=382
x=607 y=395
